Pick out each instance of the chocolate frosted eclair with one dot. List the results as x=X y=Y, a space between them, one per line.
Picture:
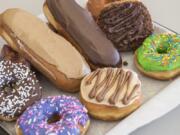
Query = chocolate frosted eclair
x=78 y=26
x=126 y=23
x=50 y=53
x=111 y=93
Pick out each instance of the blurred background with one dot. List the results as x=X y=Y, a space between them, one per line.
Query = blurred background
x=165 y=12
x=33 y=6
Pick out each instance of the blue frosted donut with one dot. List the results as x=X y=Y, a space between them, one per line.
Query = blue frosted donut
x=72 y=117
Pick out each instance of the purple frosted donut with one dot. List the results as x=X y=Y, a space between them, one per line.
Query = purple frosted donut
x=59 y=115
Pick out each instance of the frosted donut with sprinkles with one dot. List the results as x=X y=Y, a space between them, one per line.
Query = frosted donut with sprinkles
x=19 y=87
x=58 y=115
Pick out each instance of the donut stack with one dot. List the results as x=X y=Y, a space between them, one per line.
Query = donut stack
x=80 y=51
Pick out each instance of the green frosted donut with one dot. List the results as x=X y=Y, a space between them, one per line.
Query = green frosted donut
x=160 y=53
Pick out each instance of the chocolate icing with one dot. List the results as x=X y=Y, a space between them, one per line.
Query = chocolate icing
x=82 y=28
x=126 y=24
x=119 y=78
x=19 y=87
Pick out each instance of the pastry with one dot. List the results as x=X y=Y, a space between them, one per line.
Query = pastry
x=95 y=6
x=19 y=87
x=126 y=24
x=159 y=56
x=59 y=115
x=111 y=93
x=50 y=53
x=78 y=26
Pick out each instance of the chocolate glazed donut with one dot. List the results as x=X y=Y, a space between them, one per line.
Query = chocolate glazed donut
x=19 y=87
x=126 y=24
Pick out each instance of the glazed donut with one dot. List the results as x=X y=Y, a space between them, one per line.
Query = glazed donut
x=126 y=23
x=159 y=56
x=19 y=87
x=111 y=93
x=82 y=31
x=59 y=115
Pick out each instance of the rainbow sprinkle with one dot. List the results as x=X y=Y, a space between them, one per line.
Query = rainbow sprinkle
x=34 y=121
x=160 y=52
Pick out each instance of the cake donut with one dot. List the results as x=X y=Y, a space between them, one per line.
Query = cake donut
x=19 y=87
x=126 y=23
x=111 y=93
x=50 y=53
x=59 y=115
x=78 y=26
x=159 y=56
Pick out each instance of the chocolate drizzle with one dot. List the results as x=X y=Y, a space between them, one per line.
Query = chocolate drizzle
x=122 y=80
x=114 y=79
x=107 y=86
x=80 y=26
x=126 y=24
x=127 y=98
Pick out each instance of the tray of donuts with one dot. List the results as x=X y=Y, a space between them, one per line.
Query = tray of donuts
x=88 y=66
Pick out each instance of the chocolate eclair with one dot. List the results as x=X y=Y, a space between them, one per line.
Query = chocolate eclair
x=78 y=26
x=47 y=51
x=126 y=23
x=111 y=93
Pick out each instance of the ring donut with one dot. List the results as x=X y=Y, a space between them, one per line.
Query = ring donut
x=19 y=87
x=159 y=56
x=58 y=115
x=111 y=93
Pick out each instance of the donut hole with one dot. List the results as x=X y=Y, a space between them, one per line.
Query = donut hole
x=54 y=118
x=163 y=48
